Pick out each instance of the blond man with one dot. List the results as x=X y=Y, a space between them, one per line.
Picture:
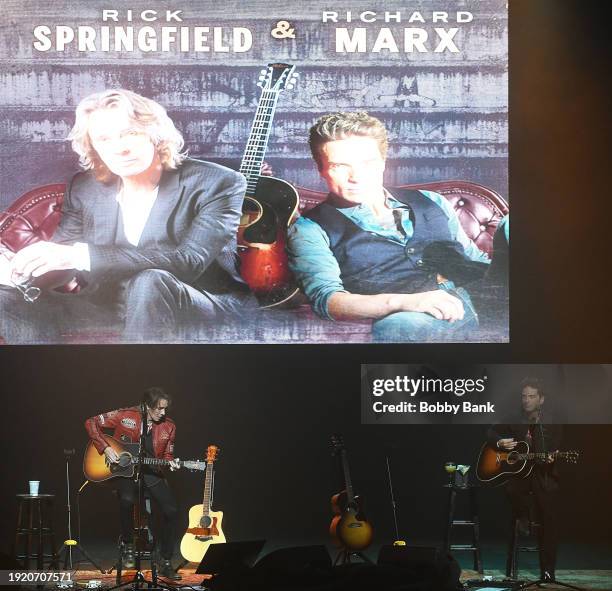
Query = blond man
x=150 y=232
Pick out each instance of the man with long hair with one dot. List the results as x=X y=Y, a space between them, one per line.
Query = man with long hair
x=159 y=435
x=150 y=233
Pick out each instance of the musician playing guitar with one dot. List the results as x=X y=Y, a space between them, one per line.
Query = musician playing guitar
x=159 y=443
x=534 y=428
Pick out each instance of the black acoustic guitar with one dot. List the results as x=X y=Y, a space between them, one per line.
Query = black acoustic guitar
x=269 y=204
x=349 y=527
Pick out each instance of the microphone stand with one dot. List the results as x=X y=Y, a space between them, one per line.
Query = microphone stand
x=397 y=542
x=71 y=544
x=139 y=579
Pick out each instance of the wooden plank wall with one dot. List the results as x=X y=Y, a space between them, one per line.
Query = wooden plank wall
x=446 y=113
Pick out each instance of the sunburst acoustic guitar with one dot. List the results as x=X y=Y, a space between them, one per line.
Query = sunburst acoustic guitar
x=269 y=204
x=97 y=468
x=497 y=466
x=349 y=528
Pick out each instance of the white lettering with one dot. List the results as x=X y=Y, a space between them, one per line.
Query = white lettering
x=347 y=44
x=243 y=39
x=87 y=36
x=110 y=15
x=63 y=36
x=385 y=40
x=464 y=17
x=446 y=40
x=42 y=34
x=330 y=16
x=415 y=39
x=440 y=16
x=146 y=39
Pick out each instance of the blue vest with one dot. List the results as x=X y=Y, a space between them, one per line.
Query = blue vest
x=372 y=264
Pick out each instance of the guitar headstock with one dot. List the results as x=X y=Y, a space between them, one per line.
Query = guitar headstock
x=277 y=77
x=211 y=453
x=337 y=442
x=571 y=456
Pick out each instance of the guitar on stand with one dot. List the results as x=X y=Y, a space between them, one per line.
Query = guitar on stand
x=204 y=523
x=349 y=528
x=269 y=204
x=497 y=466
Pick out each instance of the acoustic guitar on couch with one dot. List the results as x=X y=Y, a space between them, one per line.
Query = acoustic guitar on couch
x=270 y=204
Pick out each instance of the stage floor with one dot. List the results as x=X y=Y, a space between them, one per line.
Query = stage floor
x=588 y=567
x=588 y=580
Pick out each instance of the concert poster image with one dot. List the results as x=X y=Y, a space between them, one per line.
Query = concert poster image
x=251 y=172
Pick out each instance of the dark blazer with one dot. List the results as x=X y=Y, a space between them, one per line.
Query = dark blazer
x=190 y=232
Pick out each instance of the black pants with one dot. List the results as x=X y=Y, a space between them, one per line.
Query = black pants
x=163 y=496
x=544 y=499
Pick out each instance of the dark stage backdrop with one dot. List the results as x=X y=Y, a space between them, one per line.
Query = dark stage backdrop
x=273 y=408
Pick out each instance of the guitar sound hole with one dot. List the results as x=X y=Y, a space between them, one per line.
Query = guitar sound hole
x=125 y=460
x=512 y=459
x=206 y=521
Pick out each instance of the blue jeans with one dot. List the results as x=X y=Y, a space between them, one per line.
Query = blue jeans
x=420 y=327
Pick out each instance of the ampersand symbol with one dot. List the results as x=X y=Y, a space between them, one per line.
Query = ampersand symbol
x=283 y=30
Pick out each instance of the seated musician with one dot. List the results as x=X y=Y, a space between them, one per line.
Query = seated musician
x=150 y=233
x=397 y=257
x=159 y=443
x=532 y=427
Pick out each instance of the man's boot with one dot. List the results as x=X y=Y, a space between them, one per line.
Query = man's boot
x=166 y=571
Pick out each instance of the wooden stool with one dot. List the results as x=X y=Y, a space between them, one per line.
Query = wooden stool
x=473 y=522
x=35 y=529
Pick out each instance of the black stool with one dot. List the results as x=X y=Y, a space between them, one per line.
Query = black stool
x=35 y=529
x=515 y=543
x=473 y=522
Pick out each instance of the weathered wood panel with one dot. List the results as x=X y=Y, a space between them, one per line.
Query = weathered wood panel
x=446 y=112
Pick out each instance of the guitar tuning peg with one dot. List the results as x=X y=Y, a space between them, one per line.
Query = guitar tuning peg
x=263 y=71
x=296 y=74
x=290 y=86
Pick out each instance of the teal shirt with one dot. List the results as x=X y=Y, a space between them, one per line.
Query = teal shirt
x=316 y=268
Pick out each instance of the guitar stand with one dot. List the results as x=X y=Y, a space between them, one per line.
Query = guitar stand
x=344 y=557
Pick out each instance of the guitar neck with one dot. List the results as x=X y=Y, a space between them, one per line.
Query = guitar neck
x=257 y=143
x=208 y=485
x=350 y=496
x=543 y=456
x=153 y=461
x=189 y=464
